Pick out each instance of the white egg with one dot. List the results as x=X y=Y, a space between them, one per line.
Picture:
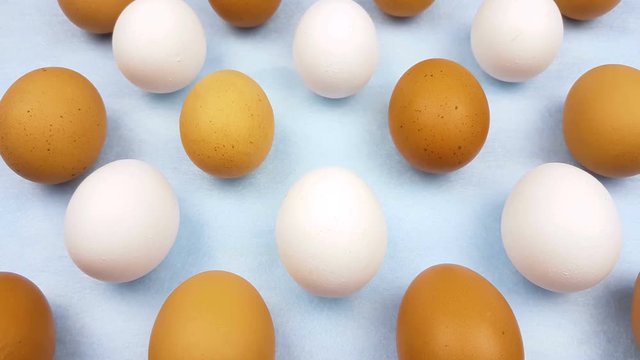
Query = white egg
x=331 y=232
x=560 y=228
x=159 y=45
x=121 y=221
x=515 y=40
x=335 y=49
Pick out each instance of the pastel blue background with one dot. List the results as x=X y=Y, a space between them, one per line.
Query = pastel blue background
x=230 y=224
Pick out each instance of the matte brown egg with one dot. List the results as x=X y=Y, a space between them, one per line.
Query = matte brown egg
x=585 y=9
x=438 y=116
x=246 y=13
x=96 y=16
x=635 y=311
x=403 y=8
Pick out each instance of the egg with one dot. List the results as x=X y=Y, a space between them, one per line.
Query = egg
x=227 y=124
x=438 y=116
x=451 y=312
x=53 y=124
x=586 y=9
x=635 y=311
x=601 y=120
x=331 y=232
x=98 y=17
x=121 y=221
x=213 y=315
x=27 y=329
x=245 y=14
x=514 y=41
x=403 y=8
x=159 y=45
x=560 y=228
x=335 y=48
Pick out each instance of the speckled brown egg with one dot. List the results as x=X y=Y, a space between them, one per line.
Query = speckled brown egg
x=451 y=312
x=245 y=13
x=96 y=16
x=53 y=124
x=585 y=9
x=438 y=116
x=602 y=120
x=403 y=8
x=27 y=329
x=227 y=124
x=635 y=311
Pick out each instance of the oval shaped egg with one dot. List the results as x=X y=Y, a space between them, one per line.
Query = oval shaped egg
x=560 y=228
x=245 y=14
x=27 y=329
x=602 y=120
x=451 y=312
x=438 y=116
x=53 y=124
x=121 y=221
x=331 y=232
x=335 y=48
x=403 y=8
x=98 y=17
x=213 y=315
x=226 y=124
x=586 y=9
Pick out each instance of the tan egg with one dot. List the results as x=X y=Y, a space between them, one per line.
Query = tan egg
x=247 y=13
x=635 y=311
x=227 y=124
x=438 y=116
x=27 y=329
x=585 y=9
x=96 y=16
x=53 y=124
x=602 y=120
x=403 y=8
x=451 y=312
x=213 y=315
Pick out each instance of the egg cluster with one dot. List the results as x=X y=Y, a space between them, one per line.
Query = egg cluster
x=560 y=227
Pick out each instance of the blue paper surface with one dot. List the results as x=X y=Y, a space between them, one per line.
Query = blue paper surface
x=229 y=225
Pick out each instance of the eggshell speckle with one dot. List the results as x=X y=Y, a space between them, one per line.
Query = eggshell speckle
x=98 y=17
x=586 y=9
x=403 y=8
x=247 y=13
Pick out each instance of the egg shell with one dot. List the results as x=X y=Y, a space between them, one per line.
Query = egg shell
x=331 y=232
x=159 y=45
x=560 y=228
x=438 y=116
x=635 y=311
x=586 y=9
x=27 y=328
x=335 y=48
x=213 y=315
x=121 y=221
x=451 y=312
x=98 y=17
x=245 y=14
x=514 y=41
x=403 y=8
x=53 y=124
x=602 y=120
x=226 y=124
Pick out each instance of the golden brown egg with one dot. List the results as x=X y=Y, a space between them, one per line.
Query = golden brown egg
x=53 y=124
x=96 y=16
x=227 y=124
x=438 y=116
x=585 y=9
x=403 y=8
x=27 y=329
x=451 y=312
x=602 y=120
x=213 y=315
x=246 y=13
x=635 y=311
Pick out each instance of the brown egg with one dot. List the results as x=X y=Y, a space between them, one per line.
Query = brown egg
x=53 y=124
x=403 y=8
x=246 y=13
x=213 y=315
x=635 y=311
x=96 y=16
x=585 y=9
x=227 y=124
x=602 y=120
x=451 y=312
x=438 y=116
x=27 y=329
